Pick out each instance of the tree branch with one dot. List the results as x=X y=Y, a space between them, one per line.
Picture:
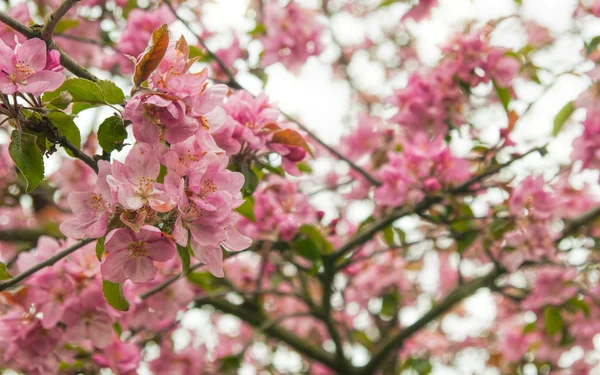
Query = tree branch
x=424 y=204
x=236 y=85
x=258 y=320
x=457 y=295
x=168 y=282
x=46 y=127
x=25 y=235
x=48 y=262
x=55 y=17
x=65 y=60
x=232 y=81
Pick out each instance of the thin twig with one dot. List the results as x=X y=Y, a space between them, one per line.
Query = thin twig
x=232 y=81
x=168 y=282
x=65 y=60
x=236 y=85
x=48 y=262
x=55 y=17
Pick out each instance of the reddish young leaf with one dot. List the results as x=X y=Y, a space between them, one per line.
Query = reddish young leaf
x=152 y=56
x=292 y=138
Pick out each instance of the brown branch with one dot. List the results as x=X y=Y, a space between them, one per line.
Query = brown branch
x=455 y=296
x=400 y=212
x=65 y=60
x=236 y=85
x=258 y=320
x=232 y=81
x=48 y=262
x=55 y=17
x=25 y=235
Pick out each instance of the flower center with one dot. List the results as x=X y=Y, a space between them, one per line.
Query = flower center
x=207 y=188
x=137 y=249
x=145 y=187
x=97 y=203
x=23 y=71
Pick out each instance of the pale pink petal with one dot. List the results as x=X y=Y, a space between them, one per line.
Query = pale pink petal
x=113 y=267
x=236 y=241
x=118 y=240
x=43 y=81
x=140 y=270
x=33 y=53
x=162 y=250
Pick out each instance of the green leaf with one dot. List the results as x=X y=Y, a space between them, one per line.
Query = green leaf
x=258 y=29
x=161 y=174
x=81 y=89
x=315 y=236
x=67 y=127
x=553 y=320
x=62 y=101
x=197 y=52
x=575 y=304
x=231 y=364
x=27 y=157
x=389 y=236
x=100 y=248
x=111 y=134
x=421 y=366
x=250 y=180
x=390 y=303
x=81 y=106
x=118 y=329
x=304 y=167
x=112 y=93
x=204 y=280
x=247 y=209
x=387 y=3
x=184 y=254
x=504 y=95
x=64 y=25
x=307 y=249
x=465 y=241
x=4 y=274
x=113 y=292
x=562 y=116
x=591 y=46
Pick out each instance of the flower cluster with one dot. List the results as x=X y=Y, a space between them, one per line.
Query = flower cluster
x=292 y=35
x=29 y=68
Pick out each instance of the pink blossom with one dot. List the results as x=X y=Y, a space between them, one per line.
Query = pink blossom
x=24 y=69
x=420 y=11
x=157 y=117
x=292 y=35
x=553 y=287
x=135 y=181
x=121 y=357
x=134 y=38
x=91 y=209
x=207 y=212
x=533 y=241
x=19 y=12
x=365 y=139
x=429 y=101
x=247 y=118
x=27 y=344
x=531 y=198
x=514 y=344
x=131 y=255
x=228 y=56
x=423 y=165
x=585 y=147
x=279 y=210
x=50 y=291
x=87 y=319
